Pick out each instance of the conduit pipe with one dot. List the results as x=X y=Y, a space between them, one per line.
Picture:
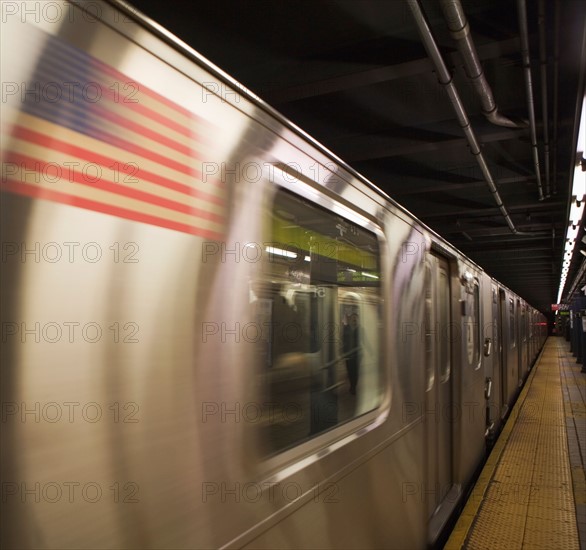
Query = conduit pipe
x=522 y=11
x=445 y=79
x=556 y=57
x=460 y=31
x=544 y=114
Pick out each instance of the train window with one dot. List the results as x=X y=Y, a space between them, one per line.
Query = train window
x=429 y=332
x=472 y=320
x=319 y=291
x=477 y=327
x=512 y=332
x=445 y=335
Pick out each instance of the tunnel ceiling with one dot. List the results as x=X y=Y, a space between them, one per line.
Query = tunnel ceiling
x=354 y=74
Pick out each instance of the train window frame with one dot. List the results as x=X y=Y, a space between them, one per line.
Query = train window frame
x=311 y=449
x=512 y=324
x=477 y=362
x=445 y=339
x=429 y=330
x=472 y=321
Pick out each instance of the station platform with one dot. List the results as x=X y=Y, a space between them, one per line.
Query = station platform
x=532 y=491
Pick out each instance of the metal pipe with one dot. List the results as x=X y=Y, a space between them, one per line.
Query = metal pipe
x=445 y=79
x=522 y=11
x=556 y=78
x=460 y=31
x=544 y=114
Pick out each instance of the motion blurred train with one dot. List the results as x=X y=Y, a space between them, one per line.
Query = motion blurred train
x=187 y=281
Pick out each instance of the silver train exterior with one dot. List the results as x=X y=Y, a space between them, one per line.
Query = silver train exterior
x=188 y=281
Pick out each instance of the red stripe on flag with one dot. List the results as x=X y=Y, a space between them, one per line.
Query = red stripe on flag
x=149 y=113
x=33 y=191
x=109 y=162
x=130 y=99
x=26 y=134
x=39 y=166
x=108 y=69
x=129 y=124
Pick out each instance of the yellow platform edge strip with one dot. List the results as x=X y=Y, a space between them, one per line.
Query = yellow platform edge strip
x=462 y=528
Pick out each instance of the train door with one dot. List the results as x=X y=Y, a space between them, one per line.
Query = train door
x=521 y=340
x=502 y=351
x=533 y=337
x=530 y=346
x=495 y=405
x=526 y=351
x=438 y=381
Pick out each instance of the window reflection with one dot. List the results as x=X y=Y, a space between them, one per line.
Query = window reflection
x=318 y=298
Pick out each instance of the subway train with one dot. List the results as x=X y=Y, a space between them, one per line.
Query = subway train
x=215 y=333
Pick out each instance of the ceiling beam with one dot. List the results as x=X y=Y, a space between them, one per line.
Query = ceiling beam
x=381 y=74
x=473 y=230
x=377 y=146
x=516 y=256
x=492 y=211
x=492 y=247
x=405 y=191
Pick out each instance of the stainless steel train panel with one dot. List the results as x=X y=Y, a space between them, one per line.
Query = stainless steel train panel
x=469 y=383
x=138 y=308
x=510 y=352
x=173 y=352
x=490 y=353
x=438 y=391
x=497 y=400
x=371 y=495
x=521 y=340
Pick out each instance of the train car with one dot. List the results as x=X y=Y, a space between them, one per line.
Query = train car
x=215 y=333
x=503 y=363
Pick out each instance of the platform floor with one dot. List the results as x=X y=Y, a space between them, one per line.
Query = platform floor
x=532 y=492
